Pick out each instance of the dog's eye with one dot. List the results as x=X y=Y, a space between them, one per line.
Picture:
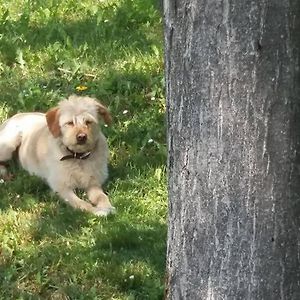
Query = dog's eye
x=87 y=123
x=70 y=123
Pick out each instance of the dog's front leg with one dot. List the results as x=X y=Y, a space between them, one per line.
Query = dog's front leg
x=71 y=198
x=98 y=198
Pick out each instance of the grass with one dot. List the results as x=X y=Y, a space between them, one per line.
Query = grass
x=114 y=48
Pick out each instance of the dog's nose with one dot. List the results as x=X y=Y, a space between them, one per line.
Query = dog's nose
x=81 y=138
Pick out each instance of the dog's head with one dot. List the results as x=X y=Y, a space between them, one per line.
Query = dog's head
x=75 y=121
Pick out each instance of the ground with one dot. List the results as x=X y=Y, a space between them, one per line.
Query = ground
x=111 y=49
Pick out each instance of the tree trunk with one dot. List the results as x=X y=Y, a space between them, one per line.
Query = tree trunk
x=232 y=78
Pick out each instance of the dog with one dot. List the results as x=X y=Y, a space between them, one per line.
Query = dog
x=65 y=147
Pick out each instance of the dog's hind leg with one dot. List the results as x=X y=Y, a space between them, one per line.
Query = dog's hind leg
x=10 y=139
x=3 y=172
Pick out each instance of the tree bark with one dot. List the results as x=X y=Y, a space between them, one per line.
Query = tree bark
x=233 y=88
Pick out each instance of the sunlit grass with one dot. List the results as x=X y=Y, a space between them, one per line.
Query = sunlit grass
x=114 y=48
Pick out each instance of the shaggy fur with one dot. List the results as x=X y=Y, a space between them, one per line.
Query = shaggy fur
x=48 y=143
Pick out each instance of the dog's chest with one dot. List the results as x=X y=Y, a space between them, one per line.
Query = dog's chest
x=78 y=173
x=81 y=173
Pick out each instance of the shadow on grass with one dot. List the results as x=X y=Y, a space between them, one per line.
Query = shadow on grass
x=118 y=257
x=74 y=254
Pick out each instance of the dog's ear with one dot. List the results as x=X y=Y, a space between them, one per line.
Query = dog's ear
x=104 y=113
x=52 y=117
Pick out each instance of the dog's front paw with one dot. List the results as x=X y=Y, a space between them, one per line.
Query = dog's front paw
x=104 y=211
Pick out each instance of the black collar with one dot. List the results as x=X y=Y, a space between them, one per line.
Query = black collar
x=76 y=155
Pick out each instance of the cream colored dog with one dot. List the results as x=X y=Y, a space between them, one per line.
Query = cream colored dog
x=65 y=147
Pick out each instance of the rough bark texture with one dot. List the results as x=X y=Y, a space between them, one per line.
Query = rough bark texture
x=232 y=77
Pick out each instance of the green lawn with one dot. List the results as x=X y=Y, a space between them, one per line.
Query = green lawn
x=114 y=48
